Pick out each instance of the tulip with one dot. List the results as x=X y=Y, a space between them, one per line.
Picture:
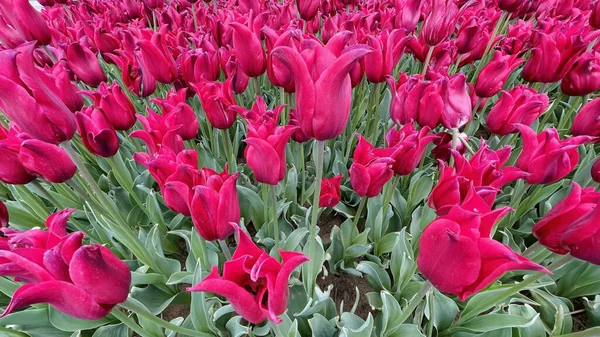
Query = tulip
x=200 y=63
x=85 y=64
x=552 y=56
x=134 y=73
x=582 y=236
x=493 y=76
x=546 y=158
x=11 y=169
x=265 y=153
x=214 y=205
x=587 y=121
x=512 y=6
x=178 y=114
x=232 y=69
x=369 y=172
x=298 y=136
x=157 y=58
x=443 y=146
x=520 y=105
x=595 y=171
x=440 y=23
x=69 y=93
x=47 y=161
x=154 y=4
x=584 y=76
x=457 y=255
x=217 y=102
x=307 y=8
x=115 y=105
x=330 y=191
x=26 y=20
x=388 y=48
x=98 y=136
x=323 y=88
x=278 y=74
x=411 y=13
x=595 y=16
x=250 y=53
x=255 y=283
x=406 y=146
x=3 y=215
x=34 y=107
x=550 y=229
x=157 y=134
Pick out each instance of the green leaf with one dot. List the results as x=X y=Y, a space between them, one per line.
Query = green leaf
x=251 y=206
x=321 y=327
x=492 y=322
x=408 y=330
x=593 y=332
x=116 y=330
x=442 y=310
x=67 y=323
x=353 y=326
x=534 y=330
x=376 y=275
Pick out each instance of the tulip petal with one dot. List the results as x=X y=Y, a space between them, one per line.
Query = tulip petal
x=176 y=196
x=279 y=293
x=203 y=208
x=263 y=160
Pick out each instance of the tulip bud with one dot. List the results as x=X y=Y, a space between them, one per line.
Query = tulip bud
x=595 y=16
x=584 y=76
x=250 y=53
x=3 y=215
x=587 y=121
x=85 y=64
x=307 y=8
x=330 y=191
x=98 y=136
x=47 y=161
x=11 y=169
x=493 y=76
x=520 y=105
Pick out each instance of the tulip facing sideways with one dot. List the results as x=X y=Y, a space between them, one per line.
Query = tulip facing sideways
x=520 y=105
x=587 y=120
x=255 y=283
x=369 y=171
x=330 y=191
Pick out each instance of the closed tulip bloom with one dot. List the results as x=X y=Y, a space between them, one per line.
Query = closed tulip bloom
x=47 y=161
x=595 y=171
x=26 y=20
x=157 y=58
x=231 y=68
x=69 y=93
x=11 y=169
x=595 y=16
x=512 y=6
x=411 y=13
x=308 y=8
x=388 y=48
x=98 y=136
x=406 y=146
x=249 y=50
x=154 y=4
x=323 y=88
x=587 y=120
x=457 y=255
x=369 y=172
x=200 y=63
x=550 y=229
x=214 y=205
x=85 y=64
x=279 y=75
x=457 y=102
x=493 y=76
x=115 y=105
x=255 y=283
x=582 y=236
x=178 y=114
x=443 y=146
x=217 y=102
x=584 y=76
x=3 y=215
x=545 y=157
x=441 y=22
x=330 y=191
x=33 y=104
x=520 y=105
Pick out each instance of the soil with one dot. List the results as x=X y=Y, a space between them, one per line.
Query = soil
x=482 y=133
x=344 y=290
x=581 y=321
x=326 y=224
x=176 y=310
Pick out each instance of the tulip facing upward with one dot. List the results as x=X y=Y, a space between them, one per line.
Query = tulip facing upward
x=323 y=88
x=115 y=105
x=441 y=22
x=520 y=105
x=217 y=102
x=406 y=146
x=249 y=50
x=388 y=47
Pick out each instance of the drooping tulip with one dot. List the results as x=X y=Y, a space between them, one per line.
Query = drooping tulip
x=369 y=172
x=330 y=191
x=85 y=64
x=98 y=136
x=323 y=88
x=584 y=76
x=255 y=283
x=545 y=157
x=520 y=105
x=46 y=160
x=217 y=102
x=493 y=76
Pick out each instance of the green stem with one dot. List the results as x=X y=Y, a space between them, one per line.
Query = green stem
x=256 y=86
x=466 y=144
x=265 y=199
x=455 y=137
x=531 y=249
x=387 y=198
x=228 y=151
x=225 y=249
x=374 y=105
x=126 y=182
x=312 y=243
x=141 y=311
x=414 y=302
x=303 y=182
x=50 y=55
x=130 y=323
x=194 y=16
x=274 y=217
x=361 y=207
x=427 y=59
x=79 y=191
x=550 y=111
x=45 y=193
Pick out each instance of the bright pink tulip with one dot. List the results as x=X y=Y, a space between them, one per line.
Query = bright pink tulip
x=411 y=13
x=406 y=146
x=369 y=172
x=595 y=171
x=308 y=8
x=11 y=169
x=512 y=6
x=178 y=115
x=520 y=105
x=457 y=254
x=587 y=120
x=440 y=23
x=98 y=136
x=323 y=88
x=69 y=93
x=584 y=76
x=231 y=68
x=330 y=191
x=595 y=16
x=157 y=58
x=249 y=50
x=279 y=75
x=545 y=157
x=493 y=76
x=200 y=63
x=47 y=161
x=3 y=215
x=388 y=48
x=85 y=64
x=134 y=72
x=115 y=105
x=255 y=283
x=217 y=102
x=27 y=22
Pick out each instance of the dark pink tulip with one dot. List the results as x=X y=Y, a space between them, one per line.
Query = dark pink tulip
x=443 y=146
x=105 y=41
x=85 y=64
x=308 y=8
x=69 y=93
x=298 y=136
x=369 y=172
x=520 y=105
x=584 y=76
x=323 y=88
x=595 y=171
x=440 y=23
x=214 y=206
x=255 y=283
x=458 y=256
x=330 y=191
x=98 y=136
x=115 y=105
x=134 y=73
x=595 y=16
x=178 y=115
x=3 y=215
x=33 y=104
x=512 y=6
x=200 y=63
x=406 y=146
x=47 y=161
x=217 y=102
x=231 y=68
x=582 y=236
x=25 y=20
x=492 y=77
x=546 y=158
x=388 y=48
x=587 y=120
x=265 y=153
x=157 y=59
x=249 y=50
x=411 y=13
x=11 y=169
x=154 y=4
x=278 y=74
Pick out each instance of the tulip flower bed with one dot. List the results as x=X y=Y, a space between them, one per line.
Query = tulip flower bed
x=300 y=168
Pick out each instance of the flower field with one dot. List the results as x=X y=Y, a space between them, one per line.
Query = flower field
x=338 y=168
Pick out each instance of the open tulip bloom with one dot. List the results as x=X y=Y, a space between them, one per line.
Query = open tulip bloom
x=300 y=168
